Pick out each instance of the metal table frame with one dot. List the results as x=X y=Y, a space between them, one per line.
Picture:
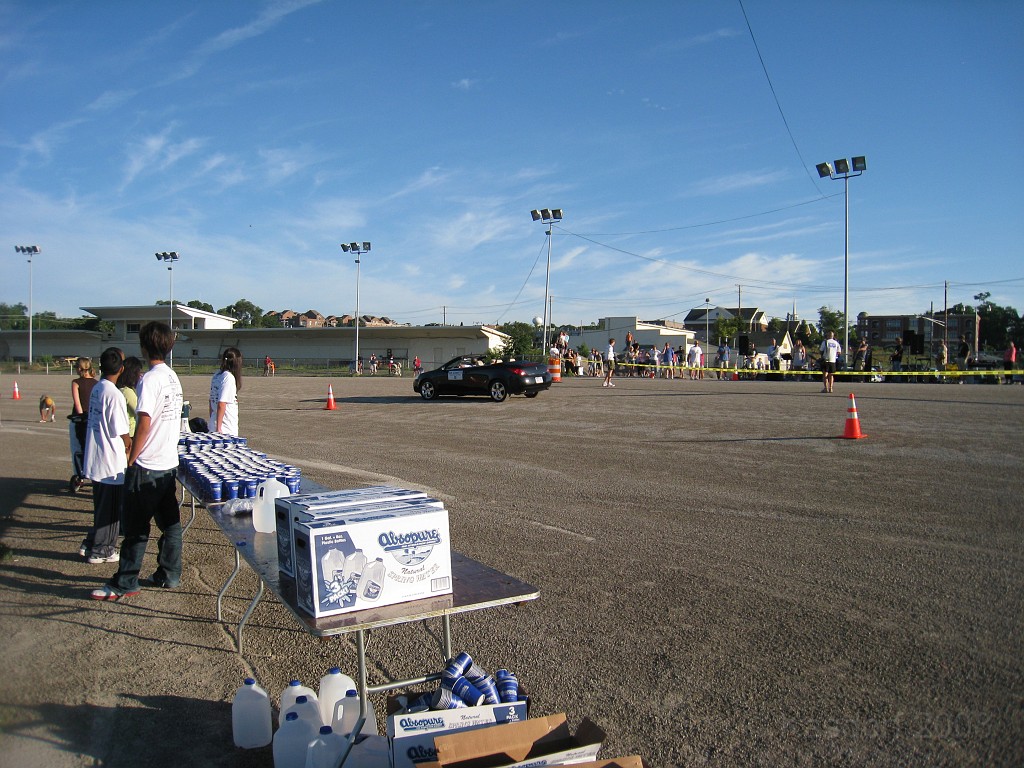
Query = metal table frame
x=475 y=587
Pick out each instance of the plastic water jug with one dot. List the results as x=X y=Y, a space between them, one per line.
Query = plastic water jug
x=292 y=691
x=291 y=742
x=263 y=519
x=350 y=715
x=325 y=750
x=333 y=687
x=307 y=709
x=251 y=722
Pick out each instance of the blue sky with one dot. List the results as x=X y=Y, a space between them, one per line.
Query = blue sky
x=254 y=137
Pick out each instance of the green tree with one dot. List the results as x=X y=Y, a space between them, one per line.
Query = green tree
x=270 y=321
x=245 y=312
x=728 y=328
x=521 y=339
x=998 y=325
x=13 y=317
x=197 y=304
x=830 y=320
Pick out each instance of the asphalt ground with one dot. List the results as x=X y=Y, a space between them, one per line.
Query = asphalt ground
x=723 y=580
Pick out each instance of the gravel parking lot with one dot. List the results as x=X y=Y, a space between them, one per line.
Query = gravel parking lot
x=723 y=581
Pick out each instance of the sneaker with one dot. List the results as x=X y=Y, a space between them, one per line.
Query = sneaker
x=611 y=385
x=111 y=558
x=106 y=592
x=83 y=550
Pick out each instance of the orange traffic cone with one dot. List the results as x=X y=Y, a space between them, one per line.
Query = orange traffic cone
x=330 y=399
x=17 y=394
x=852 y=431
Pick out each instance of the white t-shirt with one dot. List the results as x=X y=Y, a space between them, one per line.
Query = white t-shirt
x=611 y=353
x=105 y=456
x=223 y=389
x=160 y=397
x=830 y=349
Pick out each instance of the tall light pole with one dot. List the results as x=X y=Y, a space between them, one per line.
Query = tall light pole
x=549 y=217
x=707 y=324
x=841 y=169
x=169 y=257
x=30 y=251
x=358 y=249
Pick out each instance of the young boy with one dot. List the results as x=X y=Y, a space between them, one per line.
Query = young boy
x=150 y=491
x=106 y=457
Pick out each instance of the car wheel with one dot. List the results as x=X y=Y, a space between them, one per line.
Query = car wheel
x=428 y=391
x=531 y=394
x=498 y=391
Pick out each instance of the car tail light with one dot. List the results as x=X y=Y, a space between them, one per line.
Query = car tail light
x=519 y=371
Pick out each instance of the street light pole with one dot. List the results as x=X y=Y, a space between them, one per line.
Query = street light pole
x=357 y=249
x=30 y=251
x=549 y=217
x=841 y=169
x=169 y=257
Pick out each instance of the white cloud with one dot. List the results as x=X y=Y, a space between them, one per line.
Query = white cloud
x=465 y=84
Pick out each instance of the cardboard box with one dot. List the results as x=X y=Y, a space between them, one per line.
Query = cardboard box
x=312 y=505
x=412 y=734
x=372 y=559
x=631 y=761
x=531 y=743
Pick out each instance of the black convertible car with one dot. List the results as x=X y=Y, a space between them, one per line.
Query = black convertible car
x=473 y=375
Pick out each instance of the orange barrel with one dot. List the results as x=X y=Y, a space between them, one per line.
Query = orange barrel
x=555 y=369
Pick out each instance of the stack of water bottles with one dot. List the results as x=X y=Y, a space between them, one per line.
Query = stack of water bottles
x=220 y=468
x=312 y=729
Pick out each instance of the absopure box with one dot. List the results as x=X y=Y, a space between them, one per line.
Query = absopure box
x=412 y=734
x=370 y=559
x=288 y=508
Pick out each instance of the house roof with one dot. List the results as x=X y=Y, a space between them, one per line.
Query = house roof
x=154 y=312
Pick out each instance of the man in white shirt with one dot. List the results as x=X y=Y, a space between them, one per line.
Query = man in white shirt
x=150 y=489
x=830 y=352
x=105 y=459
x=609 y=364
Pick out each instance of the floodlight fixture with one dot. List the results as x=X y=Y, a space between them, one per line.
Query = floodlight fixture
x=30 y=251
x=358 y=249
x=548 y=216
x=169 y=257
x=842 y=172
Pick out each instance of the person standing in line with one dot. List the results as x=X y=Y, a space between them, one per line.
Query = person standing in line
x=830 y=352
x=799 y=359
x=896 y=358
x=722 y=360
x=131 y=373
x=610 y=364
x=81 y=389
x=1010 y=361
x=693 y=359
x=106 y=457
x=860 y=358
x=668 y=357
x=224 y=389
x=150 y=492
x=775 y=356
x=963 y=356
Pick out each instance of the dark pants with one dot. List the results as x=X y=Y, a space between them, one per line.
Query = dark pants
x=149 y=496
x=106 y=519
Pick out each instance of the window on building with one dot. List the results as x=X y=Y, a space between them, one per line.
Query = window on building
x=133 y=327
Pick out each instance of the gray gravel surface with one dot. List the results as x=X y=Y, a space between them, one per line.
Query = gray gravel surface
x=723 y=581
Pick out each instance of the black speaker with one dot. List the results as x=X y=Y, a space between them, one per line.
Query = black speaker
x=917 y=344
x=743 y=344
